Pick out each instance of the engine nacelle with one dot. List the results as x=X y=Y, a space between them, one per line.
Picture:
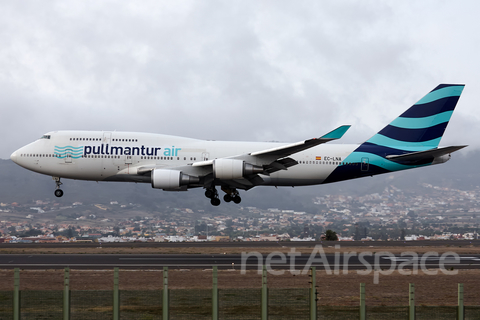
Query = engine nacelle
x=229 y=169
x=171 y=179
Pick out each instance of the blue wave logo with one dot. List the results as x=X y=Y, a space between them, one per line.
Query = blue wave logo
x=68 y=152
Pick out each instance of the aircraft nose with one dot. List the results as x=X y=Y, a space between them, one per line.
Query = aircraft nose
x=14 y=157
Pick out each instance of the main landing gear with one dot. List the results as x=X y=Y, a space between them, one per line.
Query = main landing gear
x=212 y=194
x=230 y=195
x=58 y=192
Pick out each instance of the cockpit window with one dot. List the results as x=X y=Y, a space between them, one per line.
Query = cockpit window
x=46 y=136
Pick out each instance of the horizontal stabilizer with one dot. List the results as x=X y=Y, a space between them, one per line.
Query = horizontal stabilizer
x=421 y=155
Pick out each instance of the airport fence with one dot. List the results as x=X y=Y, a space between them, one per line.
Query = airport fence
x=211 y=302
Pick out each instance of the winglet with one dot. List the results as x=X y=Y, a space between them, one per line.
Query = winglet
x=337 y=133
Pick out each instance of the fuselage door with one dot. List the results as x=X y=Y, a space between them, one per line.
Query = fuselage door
x=107 y=158
x=365 y=164
x=107 y=138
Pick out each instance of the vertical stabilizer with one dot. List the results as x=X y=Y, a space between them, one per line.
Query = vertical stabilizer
x=422 y=126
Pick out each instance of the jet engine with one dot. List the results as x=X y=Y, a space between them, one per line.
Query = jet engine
x=229 y=169
x=171 y=179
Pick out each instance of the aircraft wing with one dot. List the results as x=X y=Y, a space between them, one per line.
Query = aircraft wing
x=268 y=161
x=265 y=157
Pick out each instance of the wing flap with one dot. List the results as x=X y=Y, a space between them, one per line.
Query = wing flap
x=282 y=164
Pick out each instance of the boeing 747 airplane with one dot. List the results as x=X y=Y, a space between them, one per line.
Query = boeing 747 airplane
x=174 y=163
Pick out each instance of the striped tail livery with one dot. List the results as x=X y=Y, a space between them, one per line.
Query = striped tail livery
x=409 y=141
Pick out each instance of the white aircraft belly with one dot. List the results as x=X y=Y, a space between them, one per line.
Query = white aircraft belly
x=307 y=174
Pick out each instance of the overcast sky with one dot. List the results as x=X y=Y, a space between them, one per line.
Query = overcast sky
x=233 y=70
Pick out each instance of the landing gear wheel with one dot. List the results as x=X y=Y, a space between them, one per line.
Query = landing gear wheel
x=215 y=202
x=212 y=194
x=58 y=192
x=231 y=194
x=209 y=193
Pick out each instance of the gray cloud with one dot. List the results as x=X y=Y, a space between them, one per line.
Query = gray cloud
x=239 y=70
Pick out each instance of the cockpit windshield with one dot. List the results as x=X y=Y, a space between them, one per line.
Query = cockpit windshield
x=46 y=136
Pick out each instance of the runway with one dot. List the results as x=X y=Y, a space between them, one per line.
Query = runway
x=235 y=261
x=250 y=244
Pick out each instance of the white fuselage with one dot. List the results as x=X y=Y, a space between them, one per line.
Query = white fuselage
x=120 y=156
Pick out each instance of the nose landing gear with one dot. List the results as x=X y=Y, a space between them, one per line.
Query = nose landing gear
x=58 y=192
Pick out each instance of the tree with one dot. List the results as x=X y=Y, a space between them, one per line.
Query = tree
x=70 y=232
x=331 y=235
x=32 y=233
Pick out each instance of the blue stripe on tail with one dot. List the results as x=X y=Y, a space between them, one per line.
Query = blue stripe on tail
x=420 y=123
x=414 y=135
